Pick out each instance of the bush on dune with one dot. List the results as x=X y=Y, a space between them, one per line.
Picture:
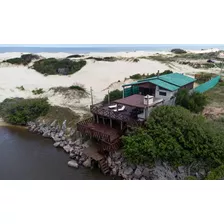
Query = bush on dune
x=194 y=102
x=113 y=95
x=25 y=59
x=19 y=111
x=51 y=66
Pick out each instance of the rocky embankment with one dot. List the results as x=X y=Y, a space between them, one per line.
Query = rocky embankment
x=67 y=139
x=63 y=137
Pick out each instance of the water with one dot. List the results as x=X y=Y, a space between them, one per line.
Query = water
x=85 y=49
x=27 y=156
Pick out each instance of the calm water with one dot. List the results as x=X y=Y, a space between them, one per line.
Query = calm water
x=82 y=49
x=24 y=155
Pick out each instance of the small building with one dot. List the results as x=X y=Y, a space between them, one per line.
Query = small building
x=164 y=86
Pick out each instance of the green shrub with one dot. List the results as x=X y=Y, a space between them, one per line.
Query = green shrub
x=175 y=135
x=194 y=102
x=136 y=76
x=143 y=76
x=79 y=88
x=19 y=111
x=25 y=59
x=216 y=174
x=190 y=178
x=20 y=88
x=51 y=66
x=114 y=95
x=178 y=51
x=38 y=91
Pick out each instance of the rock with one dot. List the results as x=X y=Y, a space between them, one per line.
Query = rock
x=57 y=139
x=78 y=142
x=109 y=161
x=137 y=173
x=63 y=138
x=73 y=163
x=143 y=178
x=64 y=126
x=61 y=134
x=72 y=155
x=67 y=148
x=202 y=172
x=61 y=144
x=128 y=171
x=53 y=124
x=146 y=173
x=114 y=171
x=140 y=168
x=57 y=144
x=46 y=134
x=181 y=169
x=87 y=163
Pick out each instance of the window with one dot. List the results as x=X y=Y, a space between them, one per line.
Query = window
x=162 y=93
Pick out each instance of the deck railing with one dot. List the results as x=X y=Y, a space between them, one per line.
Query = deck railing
x=100 y=110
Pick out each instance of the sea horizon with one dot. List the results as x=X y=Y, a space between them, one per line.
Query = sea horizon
x=85 y=49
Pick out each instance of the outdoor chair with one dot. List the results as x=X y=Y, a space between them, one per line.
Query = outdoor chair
x=120 y=109
x=113 y=106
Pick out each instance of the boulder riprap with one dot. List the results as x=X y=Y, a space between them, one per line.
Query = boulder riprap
x=73 y=163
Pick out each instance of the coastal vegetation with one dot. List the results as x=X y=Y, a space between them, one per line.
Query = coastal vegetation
x=19 y=111
x=52 y=66
x=108 y=59
x=75 y=56
x=113 y=95
x=60 y=114
x=20 y=88
x=177 y=136
x=195 y=102
x=178 y=51
x=38 y=91
x=145 y=76
x=25 y=59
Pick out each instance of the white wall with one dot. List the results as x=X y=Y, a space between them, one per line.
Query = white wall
x=169 y=94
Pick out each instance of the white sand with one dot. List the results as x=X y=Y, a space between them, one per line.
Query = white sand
x=98 y=75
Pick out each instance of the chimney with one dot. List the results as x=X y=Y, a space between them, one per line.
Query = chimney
x=158 y=74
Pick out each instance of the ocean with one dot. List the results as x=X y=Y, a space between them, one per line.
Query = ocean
x=108 y=48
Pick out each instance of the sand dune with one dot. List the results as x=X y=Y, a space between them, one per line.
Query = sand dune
x=96 y=74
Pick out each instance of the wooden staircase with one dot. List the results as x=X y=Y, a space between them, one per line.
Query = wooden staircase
x=103 y=166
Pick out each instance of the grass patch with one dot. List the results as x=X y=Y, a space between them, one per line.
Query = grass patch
x=79 y=88
x=20 y=88
x=38 y=91
x=109 y=59
x=60 y=114
x=215 y=96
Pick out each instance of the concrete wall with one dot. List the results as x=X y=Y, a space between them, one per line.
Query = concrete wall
x=169 y=94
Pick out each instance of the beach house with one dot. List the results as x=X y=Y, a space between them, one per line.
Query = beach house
x=111 y=120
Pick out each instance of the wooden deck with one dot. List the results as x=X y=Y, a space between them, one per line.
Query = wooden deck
x=99 y=131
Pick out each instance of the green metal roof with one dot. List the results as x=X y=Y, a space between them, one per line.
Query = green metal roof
x=177 y=79
x=172 y=81
x=164 y=85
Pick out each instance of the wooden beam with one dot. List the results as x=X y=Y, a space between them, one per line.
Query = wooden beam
x=97 y=119
x=110 y=122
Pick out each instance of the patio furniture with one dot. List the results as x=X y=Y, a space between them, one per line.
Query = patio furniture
x=120 y=109
x=113 y=106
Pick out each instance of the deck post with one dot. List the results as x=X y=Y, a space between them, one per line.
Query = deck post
x=97 y=119
x=121 y=125
x=110 y=122
x=103 y=121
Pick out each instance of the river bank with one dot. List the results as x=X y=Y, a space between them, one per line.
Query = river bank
x=27 y=156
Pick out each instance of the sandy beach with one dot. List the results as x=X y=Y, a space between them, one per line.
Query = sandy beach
x=96 y=74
